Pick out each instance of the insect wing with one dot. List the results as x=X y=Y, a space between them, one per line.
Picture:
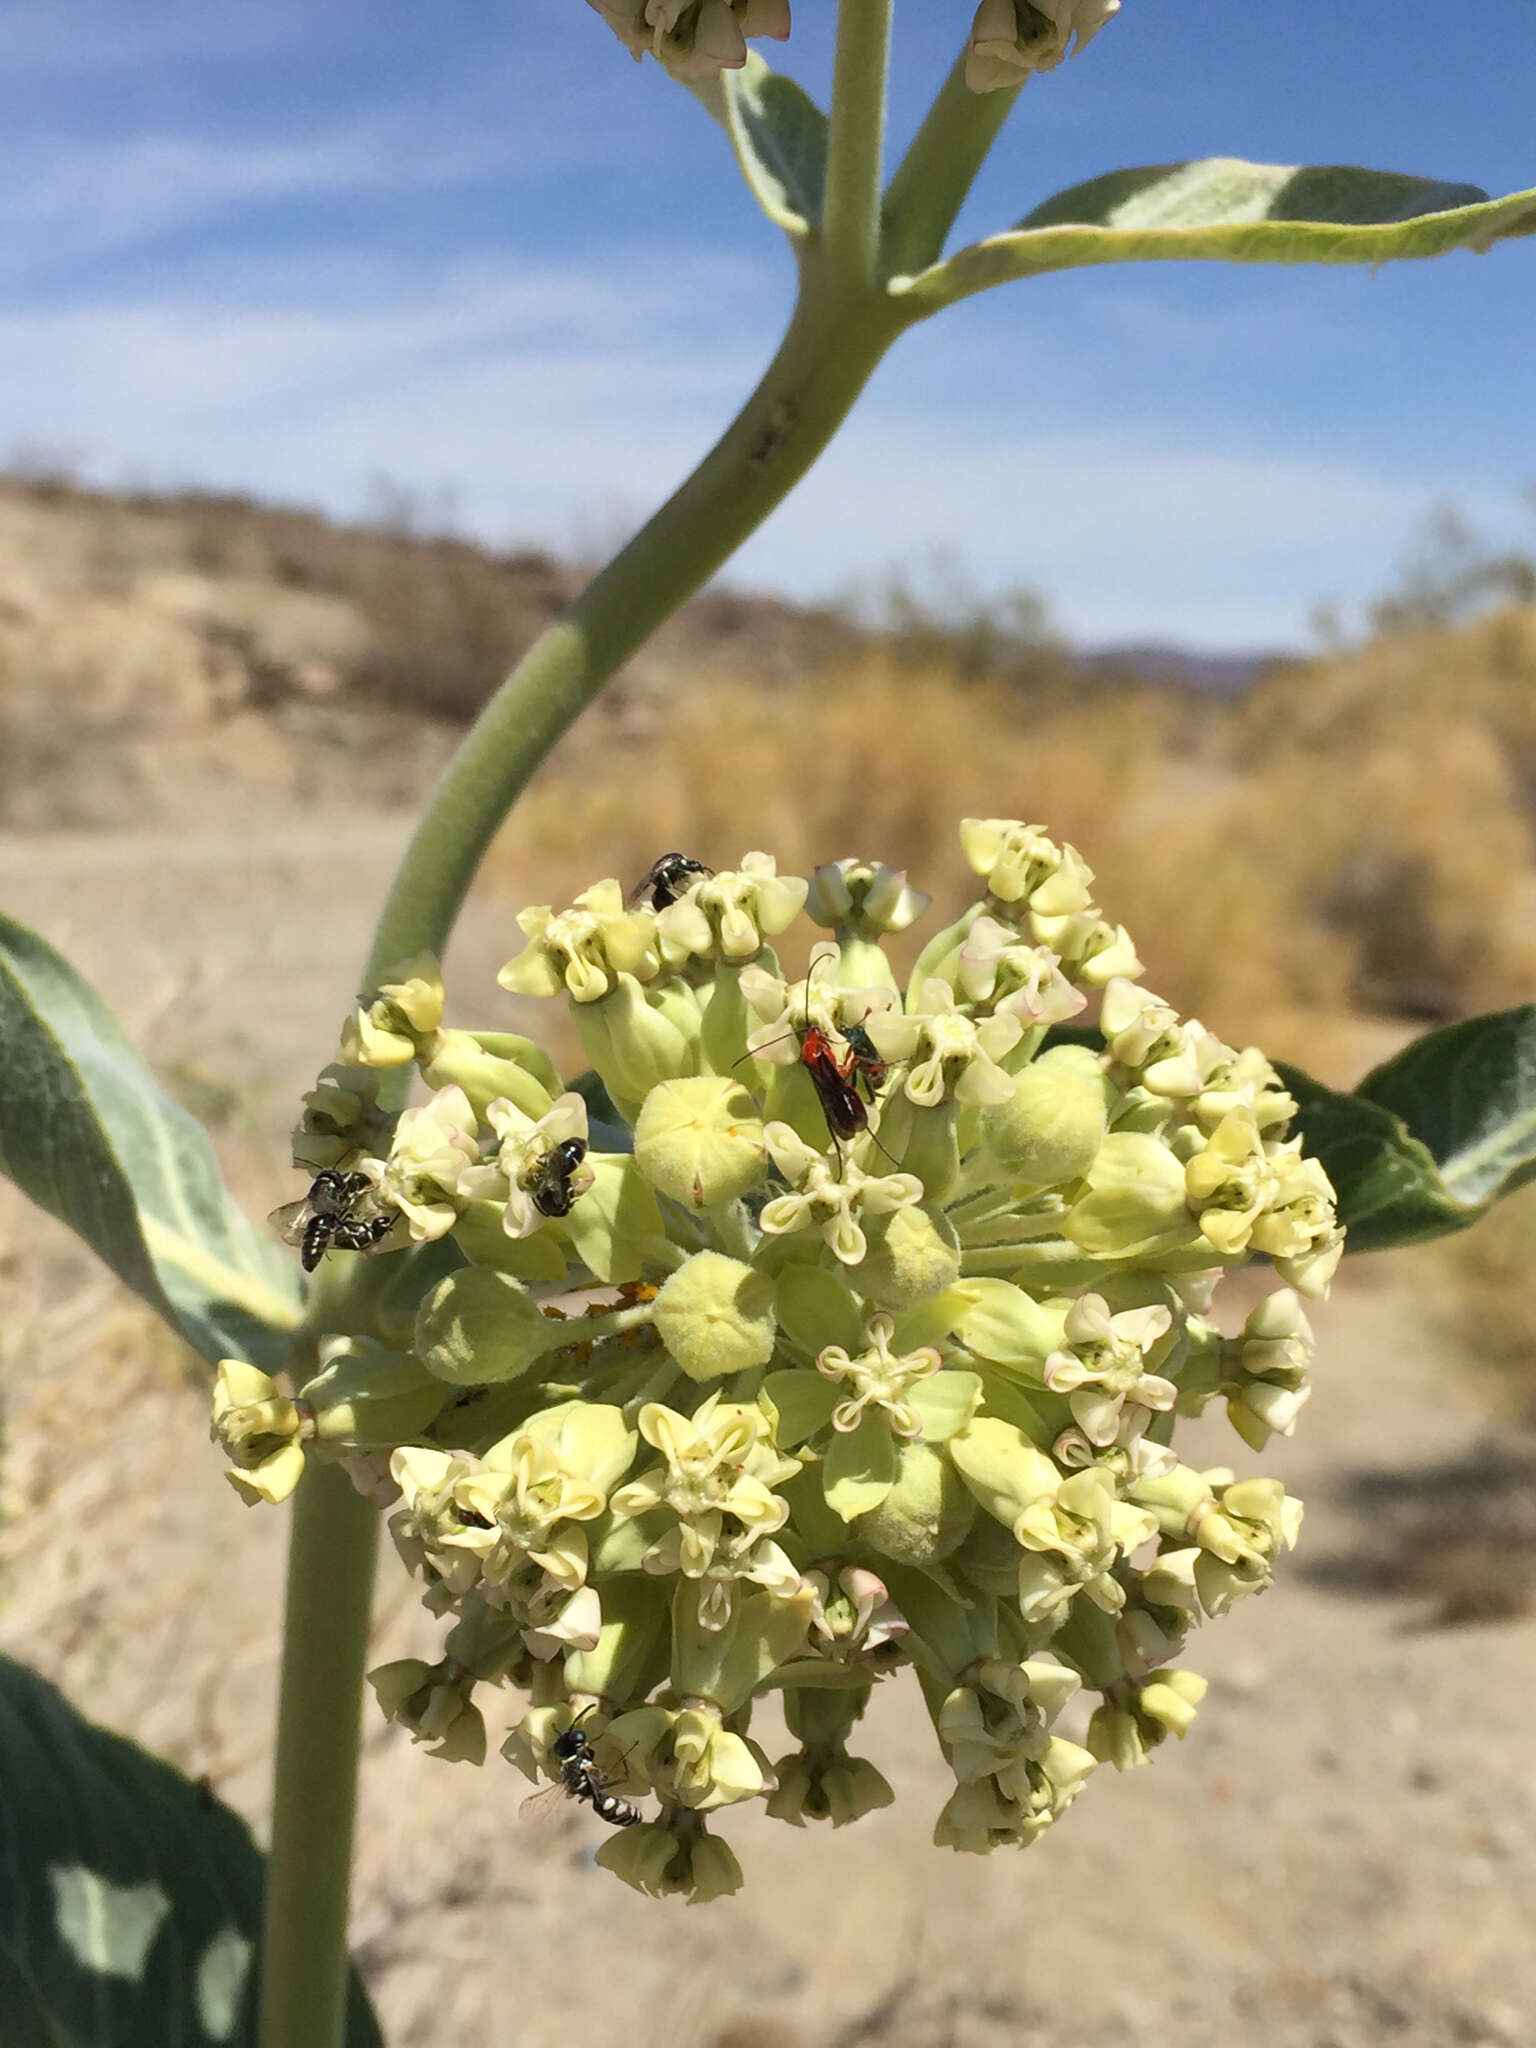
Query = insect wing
x=292 y=1220
x=542 y=1812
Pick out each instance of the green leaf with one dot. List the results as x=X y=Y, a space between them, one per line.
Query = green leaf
x=780 y=138
x=814 y=1309
x=1468 y=1093
x=804 y=1401
x=1227 y=211
x=1432 y=1139
x=946 y=1404
x=859 y=1469
x=88 y=1134
x=130 y=1898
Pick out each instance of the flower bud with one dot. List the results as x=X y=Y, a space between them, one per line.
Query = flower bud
x=634 y=1043
x=715 y=1316
x=1135 y=1204
x=700 y=1141
x=365 y=1396
x=480 y=1326
x=1050 y=1130
x=1006 y=1473
x=492 y=1066
x=913 y=1255
x=926 y=1513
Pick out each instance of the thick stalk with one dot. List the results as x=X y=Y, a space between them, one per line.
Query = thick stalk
x=831 y=346
x=325 y=1648
x=933 y=178
x=850 y=214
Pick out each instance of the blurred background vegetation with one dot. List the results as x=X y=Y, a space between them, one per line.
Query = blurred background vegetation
x=1324 y=853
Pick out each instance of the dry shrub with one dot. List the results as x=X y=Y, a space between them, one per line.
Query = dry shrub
x=875 y=760
x=1353 y=838
x=1480 y=1285
x=870 y=760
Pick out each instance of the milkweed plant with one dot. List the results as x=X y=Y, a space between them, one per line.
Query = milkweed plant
x=832 y=1328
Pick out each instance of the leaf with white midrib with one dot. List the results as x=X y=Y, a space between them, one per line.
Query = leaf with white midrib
x=130 y=1899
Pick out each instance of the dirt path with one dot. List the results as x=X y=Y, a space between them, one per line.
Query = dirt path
x=1342 y=1853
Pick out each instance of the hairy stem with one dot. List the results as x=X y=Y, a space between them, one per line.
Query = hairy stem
x=825 y=359
x=850 y=232
x=325 y=1648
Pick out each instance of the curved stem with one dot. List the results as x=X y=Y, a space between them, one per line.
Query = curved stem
x=931 y=182
x=325 y=1649
x=850 y=214
x=828 y=352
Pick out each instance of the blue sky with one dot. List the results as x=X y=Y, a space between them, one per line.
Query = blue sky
x=472 y=248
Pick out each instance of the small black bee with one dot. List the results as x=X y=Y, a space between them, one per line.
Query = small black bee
x=583 y=1780
x=333 y=1216
x=670 y=877
x=550 y=1185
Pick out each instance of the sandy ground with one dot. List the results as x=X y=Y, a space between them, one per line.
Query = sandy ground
x=1342 y=1853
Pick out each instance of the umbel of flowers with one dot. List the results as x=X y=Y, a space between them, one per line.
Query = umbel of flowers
x=827 y=1334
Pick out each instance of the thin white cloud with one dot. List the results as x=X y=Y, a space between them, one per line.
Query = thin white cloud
x=548 y=398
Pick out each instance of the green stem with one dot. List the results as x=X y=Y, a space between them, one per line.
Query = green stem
x=830 y=348
x=850 y=212
x=933 y=178
x=325 y=1648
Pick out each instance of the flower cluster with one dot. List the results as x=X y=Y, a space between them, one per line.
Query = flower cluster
x=825 y=1329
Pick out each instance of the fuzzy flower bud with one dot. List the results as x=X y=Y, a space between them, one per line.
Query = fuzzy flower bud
x=365 y=1397
x=699 y=1141
x=715 y=1316
x=479 y=1326
x=924 y=1512
x=914 y=1254
x=1049 y=1131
